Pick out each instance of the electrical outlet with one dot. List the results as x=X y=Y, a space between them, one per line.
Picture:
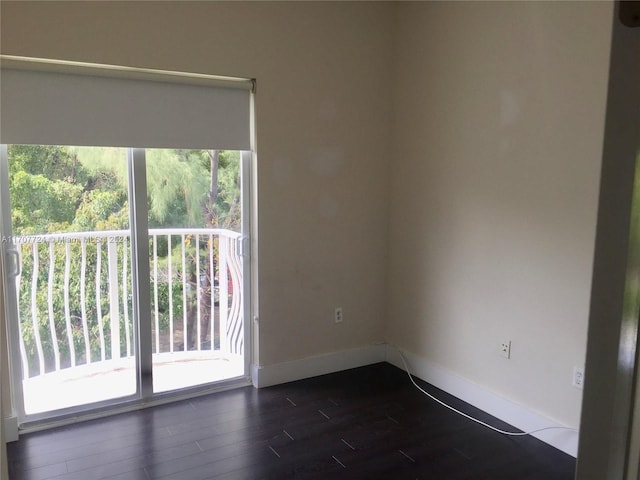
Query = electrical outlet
x=337 y=315
x=578 y=377
x=505 y=349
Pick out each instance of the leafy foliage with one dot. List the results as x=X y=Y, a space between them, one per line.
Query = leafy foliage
x=56 y=189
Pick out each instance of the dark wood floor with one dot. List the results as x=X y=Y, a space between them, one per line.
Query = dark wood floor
x=366 y=423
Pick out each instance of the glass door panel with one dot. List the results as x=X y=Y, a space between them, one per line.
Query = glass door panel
x=195 y=263
x=70 y=239
x=73 y=292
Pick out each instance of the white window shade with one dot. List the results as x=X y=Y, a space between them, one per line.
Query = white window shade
x=65 y=103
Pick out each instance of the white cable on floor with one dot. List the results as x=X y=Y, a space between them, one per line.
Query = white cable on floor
x=503 y=432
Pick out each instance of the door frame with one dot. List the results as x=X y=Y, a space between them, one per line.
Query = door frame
x=10 y=255
x=605 y=445
x=144 y=396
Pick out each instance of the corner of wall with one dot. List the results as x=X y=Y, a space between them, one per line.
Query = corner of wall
x=268 y=375
x=560 y=436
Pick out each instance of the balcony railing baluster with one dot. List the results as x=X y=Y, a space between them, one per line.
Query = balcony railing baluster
x=34 y=310
x=125 y=295
x=197 y=294
x=170 y=287
x=156 y=307
x=223 y=270
x=67 y=308
x=114 y=301
x=52 y=324
x=98 y=301
x=212 y=291
x=235 y=271
x=185 y=328
x=83 y=300
x=23 y=348
x=215 y=325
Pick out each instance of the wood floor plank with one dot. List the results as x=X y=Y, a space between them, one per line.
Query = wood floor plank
x=366 y=423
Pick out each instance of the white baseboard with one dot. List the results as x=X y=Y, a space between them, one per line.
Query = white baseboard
x=506 y=410
x=517 y=415
x=514 y=414
x=10 y=429
x=265 y=376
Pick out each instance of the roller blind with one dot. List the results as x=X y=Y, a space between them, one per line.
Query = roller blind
x=66 y=103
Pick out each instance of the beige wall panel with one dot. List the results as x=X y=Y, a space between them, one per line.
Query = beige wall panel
x=498 y=130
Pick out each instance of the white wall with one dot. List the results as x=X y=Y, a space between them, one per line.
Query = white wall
x=449 y=151
x=323 y=108
x=498 y=127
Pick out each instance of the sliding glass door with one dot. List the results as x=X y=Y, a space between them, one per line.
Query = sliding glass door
x=125 y=231
x=195 y=234
x=125 y=272
x=67 y=235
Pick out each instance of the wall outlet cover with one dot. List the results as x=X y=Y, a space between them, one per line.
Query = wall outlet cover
x=578 y=377
x=504 y=349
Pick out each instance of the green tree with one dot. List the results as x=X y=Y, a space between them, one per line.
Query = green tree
x=62 y=189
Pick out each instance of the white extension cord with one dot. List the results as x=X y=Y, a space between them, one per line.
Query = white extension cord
x=491 y=427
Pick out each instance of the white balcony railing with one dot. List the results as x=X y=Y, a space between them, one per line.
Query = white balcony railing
x=75 y=296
